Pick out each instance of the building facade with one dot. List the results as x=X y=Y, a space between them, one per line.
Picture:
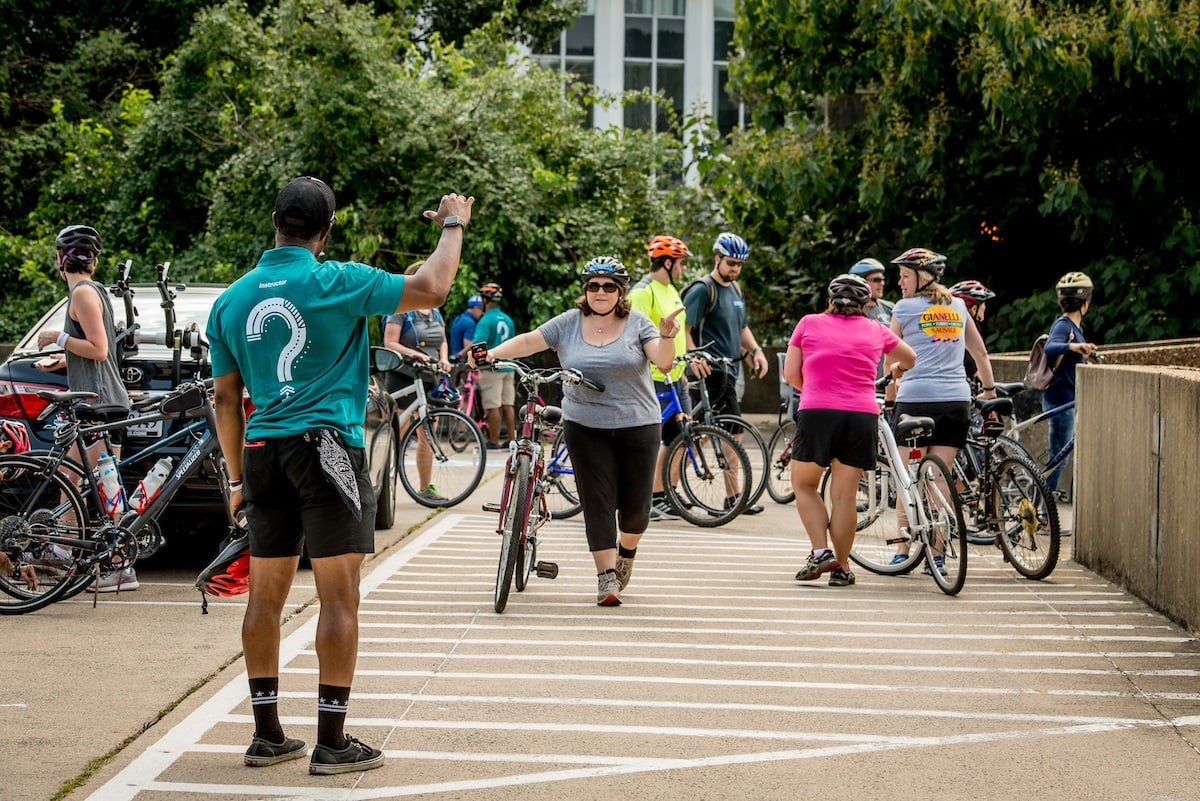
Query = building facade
x=677 y=47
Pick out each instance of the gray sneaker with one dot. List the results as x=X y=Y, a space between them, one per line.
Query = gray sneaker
x=262 y=753
x=116 y=581
x=624 y=571
x=355 y=756
x=609 y=591
x=840 y=577
x=431 y=494
x=816 y=566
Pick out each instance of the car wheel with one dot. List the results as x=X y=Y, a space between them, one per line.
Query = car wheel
x=385 y=512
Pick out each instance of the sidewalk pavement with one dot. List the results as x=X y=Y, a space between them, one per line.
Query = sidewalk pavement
x=719 y=677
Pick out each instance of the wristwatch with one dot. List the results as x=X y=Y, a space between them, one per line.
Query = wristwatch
x=454 y=220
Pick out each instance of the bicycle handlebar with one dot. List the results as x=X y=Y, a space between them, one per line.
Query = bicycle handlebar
x=566 y=375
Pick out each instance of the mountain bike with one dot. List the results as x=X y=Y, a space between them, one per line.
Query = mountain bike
x=442 y=453
x=779 y=452
x=52 y=517
x=1005 y=499
x=470 y=403
x=745 y=432
x=924 y=488
x=523 y=508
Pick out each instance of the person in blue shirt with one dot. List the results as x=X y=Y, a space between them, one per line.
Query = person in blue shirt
x=1068 y=344
x=462 y=329
x=292 y=333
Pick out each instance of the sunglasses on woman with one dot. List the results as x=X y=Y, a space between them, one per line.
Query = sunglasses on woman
x=606 y=288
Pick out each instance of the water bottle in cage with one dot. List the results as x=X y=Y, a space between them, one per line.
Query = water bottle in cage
x=149 y=486
x=112 y=494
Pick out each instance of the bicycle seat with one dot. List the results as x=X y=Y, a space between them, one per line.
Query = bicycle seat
x=182 y=402
x=1000 y=406
x=912 y=427
x=101 y=412
x=1009 y=389
x=551 y=415
x=66 y=398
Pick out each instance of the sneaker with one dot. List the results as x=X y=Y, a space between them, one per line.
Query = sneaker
x=899 y=558
x=496 y=446
x=840 y=578
x=661 y=510
x=609 y=591
x=116 y=581
x=753 y=510
x=817 y=565
x=262 y=753
x=624 y=571
x=355 y=756
x=939 y=562
x=430 y=494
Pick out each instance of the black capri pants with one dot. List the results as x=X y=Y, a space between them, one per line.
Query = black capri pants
x=614 y=473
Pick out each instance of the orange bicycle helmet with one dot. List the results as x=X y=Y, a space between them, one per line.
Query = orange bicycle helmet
x=668 y=247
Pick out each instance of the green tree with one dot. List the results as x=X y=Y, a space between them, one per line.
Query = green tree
x=1022 y=139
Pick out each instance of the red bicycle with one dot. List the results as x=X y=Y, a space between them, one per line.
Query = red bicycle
x=523 y=509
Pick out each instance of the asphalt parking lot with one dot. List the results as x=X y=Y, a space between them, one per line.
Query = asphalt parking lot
x=719 y=677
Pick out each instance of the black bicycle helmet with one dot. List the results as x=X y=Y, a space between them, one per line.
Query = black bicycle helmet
x=78 y=237
x=849 y=290
x=491 y=291
x=972 y=292
x=606 y=267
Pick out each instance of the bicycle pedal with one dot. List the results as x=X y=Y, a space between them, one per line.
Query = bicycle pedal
x=492 y=507
x=547 y=570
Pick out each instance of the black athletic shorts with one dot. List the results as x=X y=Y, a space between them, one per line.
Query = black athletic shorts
x=290 y=502
x=823 y=435
x=951 y=421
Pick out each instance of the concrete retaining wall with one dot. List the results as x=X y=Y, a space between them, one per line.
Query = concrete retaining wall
x=1137 y=454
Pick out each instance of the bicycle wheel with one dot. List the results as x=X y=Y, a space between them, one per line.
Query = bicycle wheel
x=1026 y=518
x=516 y=512
x=945 y=533
x=527 y=550
x=751 y=440
x=710 y=464
x=877 y=536
x=1003 y=447
x=37 y=505
x=454 y=473
x=779 y=467
x=562 y=495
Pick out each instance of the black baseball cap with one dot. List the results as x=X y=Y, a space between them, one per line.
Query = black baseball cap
x=306 y=204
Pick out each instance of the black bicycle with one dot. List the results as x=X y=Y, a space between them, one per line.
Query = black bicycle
x=54 y=530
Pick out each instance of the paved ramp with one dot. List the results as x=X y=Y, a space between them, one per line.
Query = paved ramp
x=720 y=677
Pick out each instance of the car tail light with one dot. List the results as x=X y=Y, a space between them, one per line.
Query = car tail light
x=21 y=401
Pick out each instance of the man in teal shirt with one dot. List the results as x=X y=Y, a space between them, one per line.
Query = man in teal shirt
x=292 y=332
x=497 y=389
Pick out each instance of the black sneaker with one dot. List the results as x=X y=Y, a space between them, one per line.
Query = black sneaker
x=262 y=753
x=355 y=756
x=817 y=565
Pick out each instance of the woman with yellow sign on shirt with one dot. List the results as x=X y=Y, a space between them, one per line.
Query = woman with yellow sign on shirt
x=938 y=327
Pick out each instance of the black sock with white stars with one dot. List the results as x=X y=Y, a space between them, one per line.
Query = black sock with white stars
x=264 y=701
x=331 y=715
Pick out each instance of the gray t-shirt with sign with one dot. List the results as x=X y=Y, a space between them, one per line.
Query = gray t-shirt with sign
x=621 y=366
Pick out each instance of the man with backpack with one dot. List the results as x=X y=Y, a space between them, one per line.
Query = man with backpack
x=717 y=321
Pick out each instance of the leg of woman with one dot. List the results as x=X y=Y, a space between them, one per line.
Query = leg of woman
x=843 y=487
x=637 y=451
x=594 y=458
x=1062 y=429
x=947 y=454
x=902 y=547
x=424 y=459
x=806 y=477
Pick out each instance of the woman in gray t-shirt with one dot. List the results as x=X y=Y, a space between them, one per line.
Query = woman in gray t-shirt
x=612 y=435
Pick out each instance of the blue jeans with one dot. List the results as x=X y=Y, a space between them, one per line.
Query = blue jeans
x=1062 y=431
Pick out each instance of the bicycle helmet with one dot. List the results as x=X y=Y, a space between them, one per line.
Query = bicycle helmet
x=474 y=302
x=13 y=432
x=491 y=291
x=229 y=574
x=922 y=259
x=443 y=394
x=667 y=247
x=606 y=267
x=731 y=245
x=849 y=290
x=866 y=267
x=972 y=292
x=78 y=237
x=1074 y=285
